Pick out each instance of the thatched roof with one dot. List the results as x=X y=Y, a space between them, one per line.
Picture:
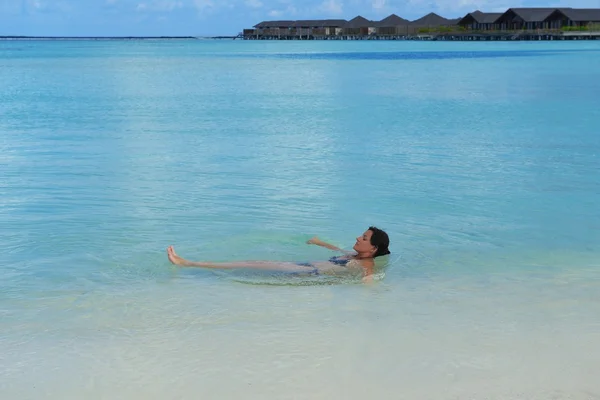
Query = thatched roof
x=480 y=17
x=275 y=24
x=334 y=23
x=308 y=23
x=391 y=21
x=359 y=22
x=527 y=14
x=431 y=19
x=581 y=14
x=320 y=23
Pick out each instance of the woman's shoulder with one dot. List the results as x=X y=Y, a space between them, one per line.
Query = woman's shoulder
x=363 y=262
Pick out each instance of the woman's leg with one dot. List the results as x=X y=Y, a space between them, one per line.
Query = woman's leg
x=263 y=265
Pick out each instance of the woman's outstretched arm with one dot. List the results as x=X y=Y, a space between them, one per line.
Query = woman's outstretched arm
x=316 y=241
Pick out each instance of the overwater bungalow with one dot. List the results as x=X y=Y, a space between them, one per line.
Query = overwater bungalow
x=392 y=25
x=430 y=21
x=301 y=29
x=273 y=29
x=480 y=21
x=514 y=24
x=317 y=28
x=358 y=27
x=576 y=17
x=523 y=19
x=516 y=19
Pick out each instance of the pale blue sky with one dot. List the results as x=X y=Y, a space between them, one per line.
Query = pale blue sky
x=215 y=17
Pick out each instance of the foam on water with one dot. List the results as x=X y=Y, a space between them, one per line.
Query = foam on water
x=480 y=159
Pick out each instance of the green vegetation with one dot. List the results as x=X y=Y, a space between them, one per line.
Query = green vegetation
x=441 y=29
x=584 y=28
x=574 y=28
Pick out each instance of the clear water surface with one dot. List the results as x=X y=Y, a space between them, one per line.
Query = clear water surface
x=481 y=160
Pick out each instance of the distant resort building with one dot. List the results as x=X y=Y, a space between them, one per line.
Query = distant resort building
x=513 y=24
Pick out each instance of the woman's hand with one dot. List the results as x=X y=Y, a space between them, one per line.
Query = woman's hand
x=314 y=240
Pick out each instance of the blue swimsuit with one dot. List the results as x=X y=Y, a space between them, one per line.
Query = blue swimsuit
x=339 y=260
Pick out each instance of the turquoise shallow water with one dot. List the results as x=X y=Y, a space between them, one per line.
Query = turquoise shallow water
x=481 y=160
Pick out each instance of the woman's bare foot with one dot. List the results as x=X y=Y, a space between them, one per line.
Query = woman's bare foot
x=174 y=258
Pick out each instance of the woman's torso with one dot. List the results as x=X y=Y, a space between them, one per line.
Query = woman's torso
x=340 y=265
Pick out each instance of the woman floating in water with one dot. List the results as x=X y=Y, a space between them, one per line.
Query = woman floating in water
x=371 y=244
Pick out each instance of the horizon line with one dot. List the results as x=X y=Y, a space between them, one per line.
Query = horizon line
x=118 y=37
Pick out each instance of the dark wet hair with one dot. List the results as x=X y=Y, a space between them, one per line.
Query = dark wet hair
x=381 y=240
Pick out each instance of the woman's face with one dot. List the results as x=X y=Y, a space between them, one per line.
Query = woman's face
x=363 y=243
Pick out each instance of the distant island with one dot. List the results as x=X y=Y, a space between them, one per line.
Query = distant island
x=513 y=24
